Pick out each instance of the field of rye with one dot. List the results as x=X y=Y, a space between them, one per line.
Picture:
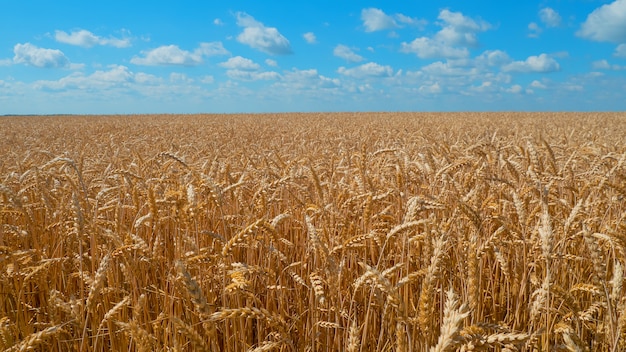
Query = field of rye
x=313 y=232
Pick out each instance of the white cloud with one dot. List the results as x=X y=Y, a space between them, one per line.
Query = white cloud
x=87 y=39
x=537 y=84
x=541 y=63
x=534 y=30
x=310 y=37
x=606 y=23
x=207 y=79
x=426 y=48
x=5 y=62
x=145 y=78
x=549 y=17
x=39 y=57
x=376 y=20
x=414 y=22
x=257 y=36
x=600 y=65
x=240 y=63
x=346 y=53
x=304 y=80
x=370 y=69
x=430 y=89
x=458 y=32
x=218 y=22
x=605 y=65
x=620 y=51
x=515 y=89
x=246 y=75
x=439 y=68
x=459 y=29
x=484 y=87
x=115 y=76
x=173 y=55
x=493 y=58
x=176 y=77
x=270 y=62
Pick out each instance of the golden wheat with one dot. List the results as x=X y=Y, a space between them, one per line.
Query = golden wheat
x=321 y=232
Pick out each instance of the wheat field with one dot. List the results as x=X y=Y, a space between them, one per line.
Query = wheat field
x=313 y=232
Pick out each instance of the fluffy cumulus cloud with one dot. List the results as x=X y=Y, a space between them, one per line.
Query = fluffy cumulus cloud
x=240 y=63
x=245 y=75
x=368 y=70
x=542 y=63
x=270 y=62
x=439 y=68
x=606 y=23
x=549 y=17
x=241 y=68
x=310 y=37
x=601 y=65
x=177 y=77
x=493 y=58
x=306 y=80
x=430 y=88
x=427 y=48
x=258 y=36
x=102 y=79
x=605 y=65
x=411 y=21
x=620 y=51
x=459 y=29
x=346 y=53
x=458 y=33
x=87 y=39
x=376 y=20
x=534 y=30
x=538 y=85
x=514 y=89
x=39 y=57
x=173 y=55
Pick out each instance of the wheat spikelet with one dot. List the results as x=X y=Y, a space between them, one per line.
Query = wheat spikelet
x=328 y=325
x=401 y=338
x=354 y=338
x=472 y=272
x=34 y=340
x=427 y=291
x=267 y=346
x=507 y=338
x=143 y=340
x=617 y=281
x=98 y=280
x=596 y=257
x=193 y=289
x=452 y=319
x=367 y=211
x=197 y=341
x=520 y=209
x=247 y=312
x=240 y=237
x=318 y=287
x=572 y=215
x=113 y=311
x=403 y=227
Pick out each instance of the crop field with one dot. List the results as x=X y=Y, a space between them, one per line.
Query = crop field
x=313 y=232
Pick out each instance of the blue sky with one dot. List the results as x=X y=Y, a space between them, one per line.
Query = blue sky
x=272 y=56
